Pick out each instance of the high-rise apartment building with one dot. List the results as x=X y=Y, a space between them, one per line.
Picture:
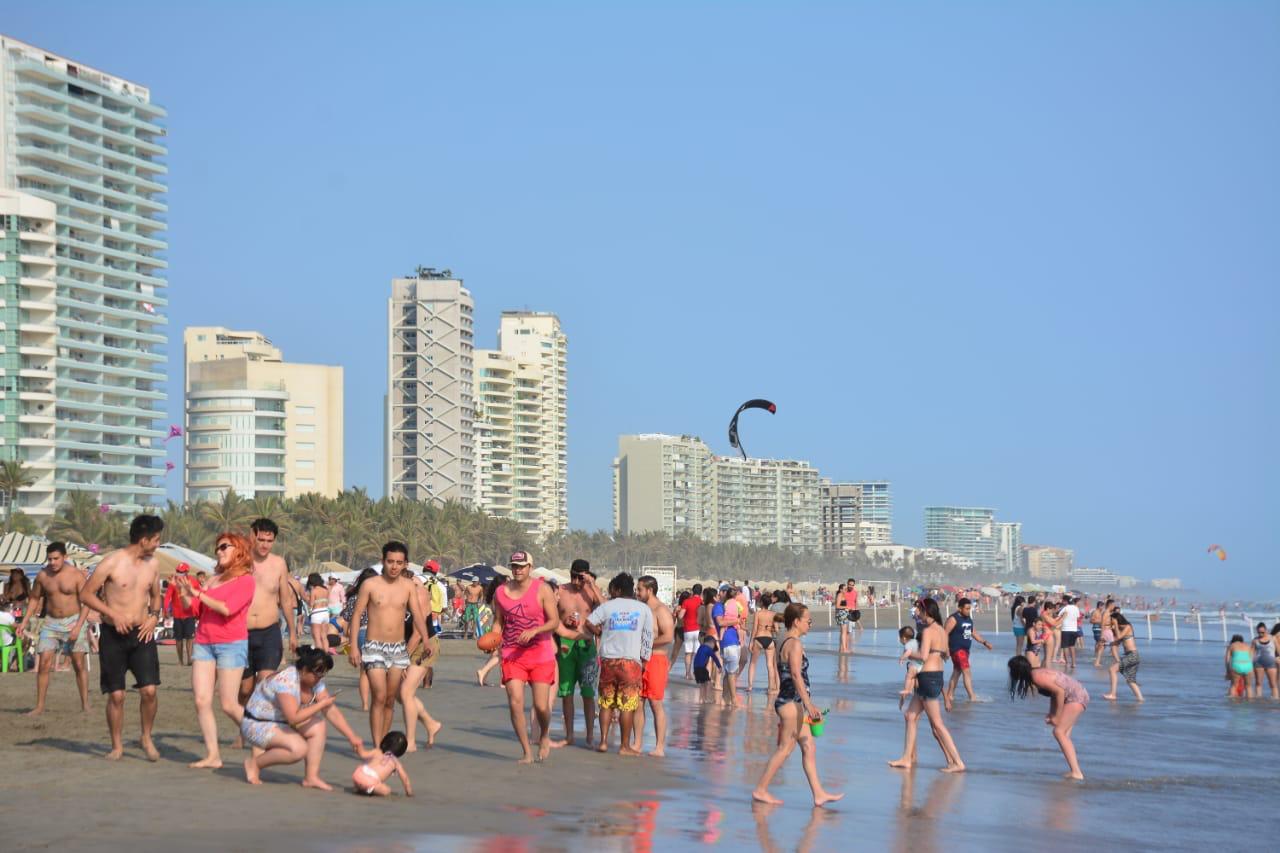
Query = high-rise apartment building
x=1047 y=563
x=964 y=531
x=854 y=515
x=677 y=485
x=255 y=423
x=1009 y=547
x=28 y=338
x=666 y=483
x=93 y=145
x=429 y=450
x=520 y=423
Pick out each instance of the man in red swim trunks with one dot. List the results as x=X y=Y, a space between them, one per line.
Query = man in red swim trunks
x=526 y=614
x=653 y=687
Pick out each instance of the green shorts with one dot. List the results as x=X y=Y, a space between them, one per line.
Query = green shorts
x=578 y=665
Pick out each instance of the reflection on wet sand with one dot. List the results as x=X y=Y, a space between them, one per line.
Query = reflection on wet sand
x=918 y=827
x=818 y=817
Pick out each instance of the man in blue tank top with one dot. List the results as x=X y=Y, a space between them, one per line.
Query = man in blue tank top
x=960 y=637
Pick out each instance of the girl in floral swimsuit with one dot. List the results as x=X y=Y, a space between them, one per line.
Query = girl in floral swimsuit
x=1067 y=701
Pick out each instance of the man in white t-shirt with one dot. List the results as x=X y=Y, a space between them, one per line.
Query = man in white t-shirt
x=1070 y=616
x=625 y=628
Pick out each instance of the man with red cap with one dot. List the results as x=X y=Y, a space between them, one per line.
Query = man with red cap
x=184 y=617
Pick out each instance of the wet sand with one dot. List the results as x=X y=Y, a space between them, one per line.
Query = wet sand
x=60 y=793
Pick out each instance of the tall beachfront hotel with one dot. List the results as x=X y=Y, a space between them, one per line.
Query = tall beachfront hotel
x=81 y=281
x=521 y=423
x=429 y=432
x=966 y=531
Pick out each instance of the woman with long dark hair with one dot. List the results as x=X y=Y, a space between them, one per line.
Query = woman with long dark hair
x=349 y=612
x=928 y=696
x=1067 y=701
x=1015 y=618
x=1127 y=663
x=795 y=709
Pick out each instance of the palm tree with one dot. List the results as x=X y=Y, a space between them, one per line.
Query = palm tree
x=231 y=513
x=13 y=476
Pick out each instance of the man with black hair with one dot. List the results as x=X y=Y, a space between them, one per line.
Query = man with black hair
x=625 y=627
x=56 y=591
x=576 y=656
x=272 y=596
x=385 y=655
x=656 y=668
x=125 y=589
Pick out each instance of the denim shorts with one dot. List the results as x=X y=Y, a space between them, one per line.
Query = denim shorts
x=233 y=655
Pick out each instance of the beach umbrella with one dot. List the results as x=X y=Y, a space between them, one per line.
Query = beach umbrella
x=990 y=590
x=1012 y=587
x=479 y=573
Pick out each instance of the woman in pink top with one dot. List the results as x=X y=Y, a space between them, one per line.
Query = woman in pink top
x=222 y=638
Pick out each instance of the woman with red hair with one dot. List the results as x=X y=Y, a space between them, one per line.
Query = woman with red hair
x=222 y=638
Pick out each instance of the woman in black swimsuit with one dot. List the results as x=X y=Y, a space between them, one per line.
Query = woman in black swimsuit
x=762 y=630
x=792 y=706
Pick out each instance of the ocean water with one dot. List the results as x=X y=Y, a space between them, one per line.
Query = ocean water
x=1188 y=770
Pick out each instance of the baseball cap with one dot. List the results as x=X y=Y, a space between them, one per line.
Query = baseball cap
x=182 y=569
x=519 y=558
x=432 y=566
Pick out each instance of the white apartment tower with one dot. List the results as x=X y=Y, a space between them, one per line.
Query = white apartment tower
x=855 y=515
x=429 y=441
x=520 y=424
x=28 y=346
x=92 y=144
x=677 y=485
x=255 y=423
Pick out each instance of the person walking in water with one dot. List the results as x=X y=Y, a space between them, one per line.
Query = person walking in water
x=960 y=637
x=1264 y=661
x=792 y=705
x=932 y=650
x=1239 y=667
x=1067 y=701
x=1127 y=665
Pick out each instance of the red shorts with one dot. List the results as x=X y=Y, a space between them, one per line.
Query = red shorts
x=529 y=673
x=654 y=680
x=960 y=657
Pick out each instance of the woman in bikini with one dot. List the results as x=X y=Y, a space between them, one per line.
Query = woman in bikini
x=318 y=604
x=932 y=651
x=763 y=627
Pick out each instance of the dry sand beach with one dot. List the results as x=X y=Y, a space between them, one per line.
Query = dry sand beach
x=59 y=793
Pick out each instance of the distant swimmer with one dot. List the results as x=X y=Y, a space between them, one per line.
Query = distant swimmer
x=1067 y=701
x=795 y=709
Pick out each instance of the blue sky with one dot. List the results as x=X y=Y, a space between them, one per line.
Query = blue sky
x=1019 y=255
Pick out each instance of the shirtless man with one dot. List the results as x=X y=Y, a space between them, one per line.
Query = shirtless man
x=385 y=657
x=471 y=613
x=57 y=590
x=657 y=667
x=272 y=596
x=576 y=653
x=125 y=589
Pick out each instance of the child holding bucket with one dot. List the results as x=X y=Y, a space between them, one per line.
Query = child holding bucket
x=796 y=711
